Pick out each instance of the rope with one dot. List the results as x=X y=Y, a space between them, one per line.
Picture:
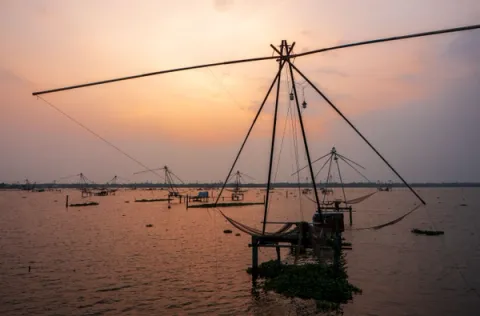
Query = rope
x=96 y=134
x=323 y=166
x=328 y=179
x=361 y=174
x=295 y=145
x=283 y=135
x=220 y=83
x=318 y=159
x=277 y=77
x=341 y=181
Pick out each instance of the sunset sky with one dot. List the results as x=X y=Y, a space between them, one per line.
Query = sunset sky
x=417 y=100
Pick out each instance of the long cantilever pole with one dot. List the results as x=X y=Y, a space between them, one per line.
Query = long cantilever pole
x=358 y=132
x=390 y=39
x=153 y=74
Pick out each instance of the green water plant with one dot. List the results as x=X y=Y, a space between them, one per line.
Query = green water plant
x=427 y=232
x=325 y=283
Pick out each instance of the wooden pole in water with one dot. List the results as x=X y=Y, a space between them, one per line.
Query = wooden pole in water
x=254 y=258
x=66 y=201
x=186 y=202
x=350 y=213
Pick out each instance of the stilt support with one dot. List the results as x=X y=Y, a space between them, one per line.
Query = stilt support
x=254 y=258
x=350 y=214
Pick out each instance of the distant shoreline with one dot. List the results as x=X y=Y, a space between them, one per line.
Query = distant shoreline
x=7 y=186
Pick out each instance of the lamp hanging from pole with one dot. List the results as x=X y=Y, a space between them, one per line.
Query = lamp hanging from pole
x=304 y=103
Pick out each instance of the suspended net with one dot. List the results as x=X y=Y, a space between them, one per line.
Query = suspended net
x=352 y=201
x=285 y=229
x=391 y=222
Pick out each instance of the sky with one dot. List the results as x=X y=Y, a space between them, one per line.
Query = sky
x=417 y=100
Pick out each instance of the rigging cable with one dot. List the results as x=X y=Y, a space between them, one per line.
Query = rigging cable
x=293 y=118
x=328 y=179
x=345 y=161
x=283 y=136
x=323 y=166
x=220 y=83
x=341 y=181
x=95 y=134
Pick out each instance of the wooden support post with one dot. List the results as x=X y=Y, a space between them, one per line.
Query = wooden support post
x=66 y=201
x=254 y=258
x=350 y=213
x=264 y=199
x=337 y=251
x=300 y=231
x=278 y=254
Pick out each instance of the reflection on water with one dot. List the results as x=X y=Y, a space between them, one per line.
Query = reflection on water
x=104 y=260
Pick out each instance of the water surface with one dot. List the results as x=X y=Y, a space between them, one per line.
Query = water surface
x=103 y=260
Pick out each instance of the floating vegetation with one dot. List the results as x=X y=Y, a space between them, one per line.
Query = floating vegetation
x=210 y=205
x=322 y=282
x=127 y=201
x=149 y=225
x=427 y=232
x=237 y=234
x=85 y=204
x=153 y=200
x=463 y=204
x=227 y=231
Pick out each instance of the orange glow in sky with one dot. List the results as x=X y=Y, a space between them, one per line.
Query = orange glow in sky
x=53 y=43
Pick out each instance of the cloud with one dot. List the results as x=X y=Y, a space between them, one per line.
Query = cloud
x=222 y=5
x=465 y=48
x=331 y=71
x=9 y=77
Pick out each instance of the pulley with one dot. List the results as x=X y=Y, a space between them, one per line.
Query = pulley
x=304 y=104
x=291 y=96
